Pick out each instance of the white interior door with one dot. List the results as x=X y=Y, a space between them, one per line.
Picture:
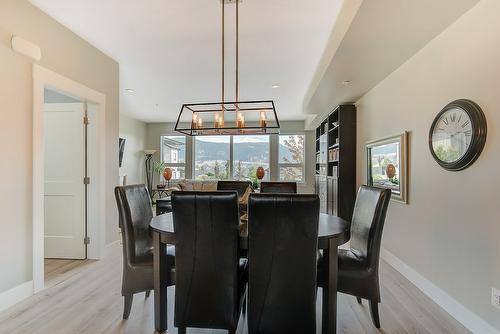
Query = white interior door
x=64 y=196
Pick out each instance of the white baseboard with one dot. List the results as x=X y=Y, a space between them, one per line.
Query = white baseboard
x=458 y=311
x=15 y=295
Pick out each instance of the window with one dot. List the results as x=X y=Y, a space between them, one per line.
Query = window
x=212 y=155
x=238 y=157
x=173 y=155
x=249 y=153
x=291 y=157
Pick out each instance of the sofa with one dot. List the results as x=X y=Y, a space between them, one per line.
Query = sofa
x=196 y=185
x=243 y=188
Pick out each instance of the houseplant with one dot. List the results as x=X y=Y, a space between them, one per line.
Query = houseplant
x=158 y=168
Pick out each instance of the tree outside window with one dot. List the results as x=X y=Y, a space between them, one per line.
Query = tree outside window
x=291 y=157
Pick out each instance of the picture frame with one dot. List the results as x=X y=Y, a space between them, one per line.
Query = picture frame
x=387 y=165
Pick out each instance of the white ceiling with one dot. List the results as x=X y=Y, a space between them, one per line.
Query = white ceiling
x=382 y=36
x=169 y=50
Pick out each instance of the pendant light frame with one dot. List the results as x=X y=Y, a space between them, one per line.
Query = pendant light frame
x=216 y=113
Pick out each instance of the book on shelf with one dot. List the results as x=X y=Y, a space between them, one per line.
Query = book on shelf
x=333 y=154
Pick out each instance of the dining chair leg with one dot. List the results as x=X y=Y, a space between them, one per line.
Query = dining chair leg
x=148 y=293
x=324 y=310
x=374 y=312
x=359 y=300
x=127 y=305
x=181 y=330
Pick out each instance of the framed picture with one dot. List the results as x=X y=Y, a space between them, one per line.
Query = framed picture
x=387 y=165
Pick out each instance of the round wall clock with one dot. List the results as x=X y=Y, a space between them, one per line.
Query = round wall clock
x=457 y=135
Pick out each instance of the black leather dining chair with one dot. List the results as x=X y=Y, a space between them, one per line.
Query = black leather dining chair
x=239 y=186
x=210 y=277
x=278 y=187
x=358 y=266
x=283 y=240
x=135 y=213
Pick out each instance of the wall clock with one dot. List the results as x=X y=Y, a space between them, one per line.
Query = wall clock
x=457 y=135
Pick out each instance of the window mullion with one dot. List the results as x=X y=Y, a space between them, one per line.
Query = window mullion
x=231 y=156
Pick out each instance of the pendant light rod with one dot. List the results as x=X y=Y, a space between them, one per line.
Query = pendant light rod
x=223 y=52
x=237 y=51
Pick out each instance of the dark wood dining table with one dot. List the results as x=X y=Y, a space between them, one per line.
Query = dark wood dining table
x=333 y=232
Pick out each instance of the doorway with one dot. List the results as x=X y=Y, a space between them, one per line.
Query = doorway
x=65 y=176
x=68 y=174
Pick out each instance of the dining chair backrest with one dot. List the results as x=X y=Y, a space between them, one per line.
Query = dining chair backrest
x=239 y=186
x=135 y=213
x=283 y=239
x=278 y=187
x=206 y=226
x=368 y=222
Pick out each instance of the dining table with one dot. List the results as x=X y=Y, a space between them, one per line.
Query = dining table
x=333 y=231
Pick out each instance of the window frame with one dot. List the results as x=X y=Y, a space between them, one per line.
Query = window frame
x=291 y=164
x=172 y=164
x=231 y=155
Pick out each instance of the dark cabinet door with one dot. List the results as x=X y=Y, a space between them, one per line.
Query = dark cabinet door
x=321 y=191
x=332 y=196
x=329 y=199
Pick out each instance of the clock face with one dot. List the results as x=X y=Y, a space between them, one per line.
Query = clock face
x=452 y=135
x=457 y=135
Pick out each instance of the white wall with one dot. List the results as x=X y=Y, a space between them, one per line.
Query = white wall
x=134 y=132
x=450 y=231
x=155 y=130
x=67 y=54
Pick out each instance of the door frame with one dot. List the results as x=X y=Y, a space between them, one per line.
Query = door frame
x=44 y=78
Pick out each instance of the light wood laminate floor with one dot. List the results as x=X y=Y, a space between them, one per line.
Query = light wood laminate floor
x=84 y=297
x=58 y=271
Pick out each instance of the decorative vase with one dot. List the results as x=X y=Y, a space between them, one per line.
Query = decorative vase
x=260 y=173
x=167 y=174
x=390 y=170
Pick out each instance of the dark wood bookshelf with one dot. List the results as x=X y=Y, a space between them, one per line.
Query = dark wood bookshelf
x=336 y=162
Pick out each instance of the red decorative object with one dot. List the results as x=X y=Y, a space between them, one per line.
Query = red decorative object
x=390 y=171
x=260 y=173
x=167 y=174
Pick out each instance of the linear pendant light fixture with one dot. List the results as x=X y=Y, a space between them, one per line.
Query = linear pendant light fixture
x=228 y=118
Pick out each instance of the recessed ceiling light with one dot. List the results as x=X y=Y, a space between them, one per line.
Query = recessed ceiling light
x=275 y=86
x=130 y=90
x=346 y=82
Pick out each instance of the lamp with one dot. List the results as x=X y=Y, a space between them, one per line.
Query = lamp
x=149 y=169
x=228 y=118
